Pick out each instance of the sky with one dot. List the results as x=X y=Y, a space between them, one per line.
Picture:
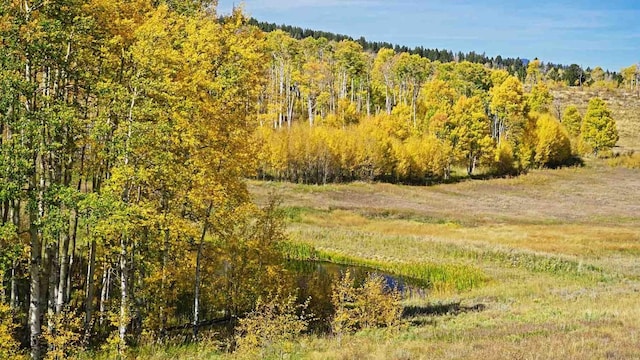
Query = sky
x=586 y=32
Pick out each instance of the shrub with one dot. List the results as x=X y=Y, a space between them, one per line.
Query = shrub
x=271 y=328
x=553 y=147
x=8 y=345
x=371 y=305
x=504 y=161
x=63 y=335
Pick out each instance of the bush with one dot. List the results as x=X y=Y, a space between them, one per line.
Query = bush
x=8 y=345
x=63 y=336
x=553 y=147
x=272 y=327
x=371 y=305
x=504 y=161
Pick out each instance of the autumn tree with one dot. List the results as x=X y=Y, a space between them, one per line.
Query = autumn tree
x=597 y=74
x=383 y=77
x=553 y=147
x=572 y=120
x=598 y=128
x=534 y=74
x=474 y=144
x=133 y=118
x=507 y=106
x=412 y=71
x=630 y=76
x=437 y=100
x=539 y=99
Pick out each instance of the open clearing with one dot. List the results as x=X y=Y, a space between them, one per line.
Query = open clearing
x=561 y=250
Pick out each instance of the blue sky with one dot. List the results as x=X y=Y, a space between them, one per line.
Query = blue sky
x=586 y=32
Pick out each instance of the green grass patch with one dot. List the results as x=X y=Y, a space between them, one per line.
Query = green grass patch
x=437 y=277
x=532 y=262
x=443 y=252
x=294 y=214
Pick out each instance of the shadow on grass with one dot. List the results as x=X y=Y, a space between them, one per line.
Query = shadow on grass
x=440 y=310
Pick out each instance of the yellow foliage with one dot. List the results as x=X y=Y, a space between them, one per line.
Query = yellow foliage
x=553 y=147
x=498 y=77
x=504 y=160
x=8 y=345
x=605 y=85
x=438 y=96
x=272 y=326
x=347 y=112
x=539 y=99
x=245 y=263
x=371 y=305
x=63 y=336
x=629 y=161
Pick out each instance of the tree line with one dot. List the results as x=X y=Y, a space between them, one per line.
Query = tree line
x=572 y=75
x=332 y=111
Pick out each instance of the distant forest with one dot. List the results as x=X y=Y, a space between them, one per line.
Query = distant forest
x=573 y=74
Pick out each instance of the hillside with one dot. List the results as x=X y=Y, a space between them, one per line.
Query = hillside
x=624 y=104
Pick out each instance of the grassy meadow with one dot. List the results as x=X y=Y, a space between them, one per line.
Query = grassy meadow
x=554 y=254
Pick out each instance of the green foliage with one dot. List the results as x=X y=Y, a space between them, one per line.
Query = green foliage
x=438 y=277
x=574 y=75
x=598 y=127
